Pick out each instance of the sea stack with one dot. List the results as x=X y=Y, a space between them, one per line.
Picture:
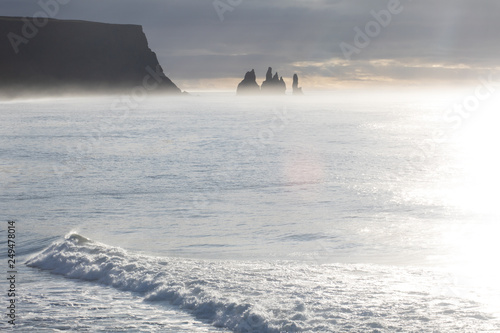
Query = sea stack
x=249 y=84
x=296 y=90
x=52 y=56
x=273 y=84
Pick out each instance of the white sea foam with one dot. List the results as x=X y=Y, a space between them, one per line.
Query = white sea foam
x=272 y=297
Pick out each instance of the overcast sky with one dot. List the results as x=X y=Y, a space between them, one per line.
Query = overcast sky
x=420 y=42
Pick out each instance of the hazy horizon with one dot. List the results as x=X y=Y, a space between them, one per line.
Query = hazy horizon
x=209 y=45
x=367 y=203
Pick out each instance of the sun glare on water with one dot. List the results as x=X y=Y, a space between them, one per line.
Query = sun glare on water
x=476 y=242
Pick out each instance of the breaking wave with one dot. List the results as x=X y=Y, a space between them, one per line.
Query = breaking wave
x=271 y=297
x=181 y=282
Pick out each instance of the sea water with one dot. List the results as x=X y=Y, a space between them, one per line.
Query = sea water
x=212 y=213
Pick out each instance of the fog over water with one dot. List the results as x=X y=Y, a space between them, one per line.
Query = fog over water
x=327 y=212
x=368 y=204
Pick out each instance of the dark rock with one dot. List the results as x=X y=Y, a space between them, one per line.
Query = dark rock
x=269 y=74
x=273 y=84
x=52 y=56
x=248 y=85
x=296 y=90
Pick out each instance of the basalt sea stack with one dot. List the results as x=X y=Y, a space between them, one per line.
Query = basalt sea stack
x=248 y=85
x=273 y=84
x=52 y=56
x=296 y=90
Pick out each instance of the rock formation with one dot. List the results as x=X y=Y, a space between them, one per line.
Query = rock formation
x=273 y=84
x=296 y=90
x=54 y=55
x=248 y=85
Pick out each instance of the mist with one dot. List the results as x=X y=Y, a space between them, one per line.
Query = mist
x=199 y=47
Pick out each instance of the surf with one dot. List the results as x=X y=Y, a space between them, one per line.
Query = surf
x=274 y=296
x=156 y=279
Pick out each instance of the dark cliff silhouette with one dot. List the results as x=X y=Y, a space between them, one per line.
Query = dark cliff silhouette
x=273 y=84
x=296 y=90
x=52 y=56
x=249 y=84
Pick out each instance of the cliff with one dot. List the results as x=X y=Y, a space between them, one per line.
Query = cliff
x=55 y=55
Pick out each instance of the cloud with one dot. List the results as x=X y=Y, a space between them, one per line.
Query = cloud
x=428 y=40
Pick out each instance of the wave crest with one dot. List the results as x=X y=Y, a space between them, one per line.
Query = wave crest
x=272 y=296
x=158 y=279
x=76 y=238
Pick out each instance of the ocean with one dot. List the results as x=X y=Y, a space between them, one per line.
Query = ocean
x=330 y=212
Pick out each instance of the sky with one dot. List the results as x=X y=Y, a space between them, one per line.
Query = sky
x=330 y=44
